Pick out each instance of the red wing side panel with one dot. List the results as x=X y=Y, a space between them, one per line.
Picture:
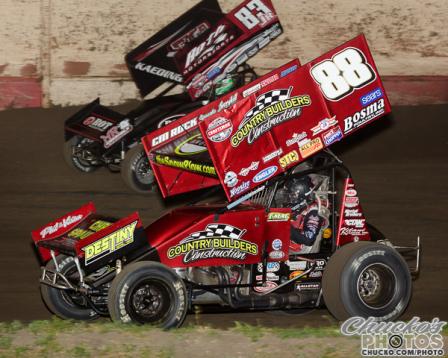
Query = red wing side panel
x=174 y=181
x=293 y=118
x=176 y=136
x=229 y=239
x=278 y=231
x=61 y=226
x=352 y=223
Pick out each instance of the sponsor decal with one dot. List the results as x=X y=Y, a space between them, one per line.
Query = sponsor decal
x=296 y=265
x=352 y=213
x=174 y=132
x=185 y=164
x=110 y=243
x=331 y=136
x=269 y=277
x=215 y=41
x=323 y=125
x=262 y=84
x=288 y=70
x=302 y=286
x=267 y=286
x=274 y=216
x=96 y=123
x=230 y=179
x=115 y=133
x=370 y=97
x=351 y=192
x=265 y=174
x=270 y=267
x=161 y=72
x=244 y=171
x=364 y=115
x=272 y=155
x=217 y=241
x=169 y=119
x=311 y=147
x=80 y=234
x=353 y=231
x=276 y=254
x=414 y=338
x=219 y=129
x=359 y=223
x=296 y=138
x=189 y=36
x=67 y=221
x=271 y=109
x=351 y=201
x=277 y=244
x=289 y=158
x=315 y=274
x=295 y=274
x=239 y=189
x=190 y=146
x=227 y=103
x=320 y=264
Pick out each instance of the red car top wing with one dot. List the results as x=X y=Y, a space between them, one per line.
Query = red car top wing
x=294 y=117
x=168 y=148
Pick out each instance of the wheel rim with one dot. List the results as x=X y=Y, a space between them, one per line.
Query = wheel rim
x=143 y=172
x=70 y=297
x=149 y=301
x=376 y=286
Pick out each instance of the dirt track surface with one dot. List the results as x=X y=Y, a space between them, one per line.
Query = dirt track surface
x=399 y=165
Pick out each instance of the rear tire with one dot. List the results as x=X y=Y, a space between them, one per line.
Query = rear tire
x=148 y=293
x=74 y=162
x=366 y=279
x=136 y=171
x=65 y=304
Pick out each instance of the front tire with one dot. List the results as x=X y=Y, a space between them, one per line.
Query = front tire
x=148 y=293
x=65 y=304
x=73 y=161
x=136 y=171
x=366 y=279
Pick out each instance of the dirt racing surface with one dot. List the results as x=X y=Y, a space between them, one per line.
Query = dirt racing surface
x=399 y=165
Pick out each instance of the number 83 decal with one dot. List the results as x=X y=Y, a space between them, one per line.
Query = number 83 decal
x=346 y=71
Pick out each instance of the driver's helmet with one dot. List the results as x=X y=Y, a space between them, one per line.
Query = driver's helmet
x=296 y=191
x=299 y=189
x=225 y=85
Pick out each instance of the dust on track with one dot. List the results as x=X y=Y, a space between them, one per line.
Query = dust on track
x=399 y=165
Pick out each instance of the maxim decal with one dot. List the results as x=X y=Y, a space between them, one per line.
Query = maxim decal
x=217 y=241
x=271 y=109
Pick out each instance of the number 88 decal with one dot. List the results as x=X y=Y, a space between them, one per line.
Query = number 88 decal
x=346 y=71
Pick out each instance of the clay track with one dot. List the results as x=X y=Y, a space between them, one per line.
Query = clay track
x=399 y=165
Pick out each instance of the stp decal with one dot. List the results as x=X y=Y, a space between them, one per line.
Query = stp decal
x=217 y=241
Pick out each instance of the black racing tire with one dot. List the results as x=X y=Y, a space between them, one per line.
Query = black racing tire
x=65 y=304
x=136 y=171
x=366 y=279
x=148 y=293
x=74 y=162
